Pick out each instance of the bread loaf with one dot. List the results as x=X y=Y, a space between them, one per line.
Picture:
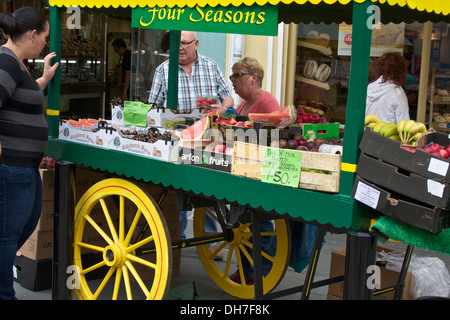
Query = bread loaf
x=310 y=69
x=323 y=73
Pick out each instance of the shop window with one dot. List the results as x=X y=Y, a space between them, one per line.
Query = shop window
x=322 y=71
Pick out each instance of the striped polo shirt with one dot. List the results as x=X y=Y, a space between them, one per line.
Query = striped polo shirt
x=23 y=127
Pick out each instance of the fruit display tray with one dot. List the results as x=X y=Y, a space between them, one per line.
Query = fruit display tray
x=420 y=215
x=110 y=138
x=248 y=162
x=155 y=117
x=259 y=133
x=419 y=162
x=407 y=183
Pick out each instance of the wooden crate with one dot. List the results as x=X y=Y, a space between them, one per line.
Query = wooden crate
x=248 y=162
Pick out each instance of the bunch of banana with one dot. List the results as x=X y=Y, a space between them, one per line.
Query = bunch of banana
x=387 y=129
x=409 y=131
x=371 y=120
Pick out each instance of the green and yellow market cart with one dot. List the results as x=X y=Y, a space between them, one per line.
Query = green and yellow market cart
x=144 y=230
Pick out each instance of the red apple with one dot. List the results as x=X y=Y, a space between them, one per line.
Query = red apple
x=447 y=148
x=435 y=153
x=322 y=120
x=292 y=144
x=443 y=153
x=310 y=145
x=239 y=124
x=307 y=117
x=302 y=142
x=435 y=147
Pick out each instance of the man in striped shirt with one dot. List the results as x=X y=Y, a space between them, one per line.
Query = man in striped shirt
x=198 y=76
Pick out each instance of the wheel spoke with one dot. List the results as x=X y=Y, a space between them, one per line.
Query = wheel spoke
x=218 y=249
x=212 y=215
x=141 y=261
x=240 y=266
x=139 y=244
x=117 y=283
x=137 y=278
x=228 y=263
x=93 y=267
x=90 y=246
x=112 y=229
x=132 y=227
x=121 y=218
x=99 y=230
x=263 y=253
x=103 y=283
x=126 y=281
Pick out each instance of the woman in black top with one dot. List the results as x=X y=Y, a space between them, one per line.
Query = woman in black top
x=23 y=135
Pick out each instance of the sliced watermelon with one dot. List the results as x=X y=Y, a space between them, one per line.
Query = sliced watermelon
x=281 y=118
x=196 y=131
x=214 y=112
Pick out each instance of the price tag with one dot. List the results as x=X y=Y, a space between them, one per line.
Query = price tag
x=135 y=113
x=282 y=166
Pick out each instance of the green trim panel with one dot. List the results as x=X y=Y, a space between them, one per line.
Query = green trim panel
x=337 y=210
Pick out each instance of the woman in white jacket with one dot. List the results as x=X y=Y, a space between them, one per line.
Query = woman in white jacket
x=386 y=97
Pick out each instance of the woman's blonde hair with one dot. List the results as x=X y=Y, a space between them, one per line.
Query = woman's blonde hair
x=252 y=66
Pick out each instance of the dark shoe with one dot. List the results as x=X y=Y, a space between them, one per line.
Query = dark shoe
x=237 y=278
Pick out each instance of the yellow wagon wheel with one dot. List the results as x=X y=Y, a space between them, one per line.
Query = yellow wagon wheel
x=237 y=246
x=109 y=241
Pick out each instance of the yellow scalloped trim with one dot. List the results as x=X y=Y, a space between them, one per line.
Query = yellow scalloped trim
x=437 y=6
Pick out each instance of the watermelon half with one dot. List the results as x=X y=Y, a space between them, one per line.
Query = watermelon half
x=196 y=131
x=281 y=118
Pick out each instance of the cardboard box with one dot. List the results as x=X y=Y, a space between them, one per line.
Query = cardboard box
x=34 y=275
x=48 y=184
x=46 y=220
x=39 y=245
x=110 y=138
x=388 y=278
x=410 y=184
x=421 y=215
x=418 y=162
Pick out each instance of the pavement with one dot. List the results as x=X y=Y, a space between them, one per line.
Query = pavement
x=191 y=270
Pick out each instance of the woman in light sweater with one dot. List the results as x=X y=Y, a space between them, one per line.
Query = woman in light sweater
x=386 y=97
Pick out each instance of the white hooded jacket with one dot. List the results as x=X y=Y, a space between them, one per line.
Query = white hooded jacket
x=387 y=100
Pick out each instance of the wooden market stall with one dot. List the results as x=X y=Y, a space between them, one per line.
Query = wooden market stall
x=335 y=212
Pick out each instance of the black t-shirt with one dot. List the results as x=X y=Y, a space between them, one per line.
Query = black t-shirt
x=126 y=62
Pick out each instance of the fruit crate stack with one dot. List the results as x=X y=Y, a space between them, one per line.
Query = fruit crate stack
x=408 y=183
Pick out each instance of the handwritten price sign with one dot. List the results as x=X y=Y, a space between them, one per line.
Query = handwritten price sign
x=282 y=166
